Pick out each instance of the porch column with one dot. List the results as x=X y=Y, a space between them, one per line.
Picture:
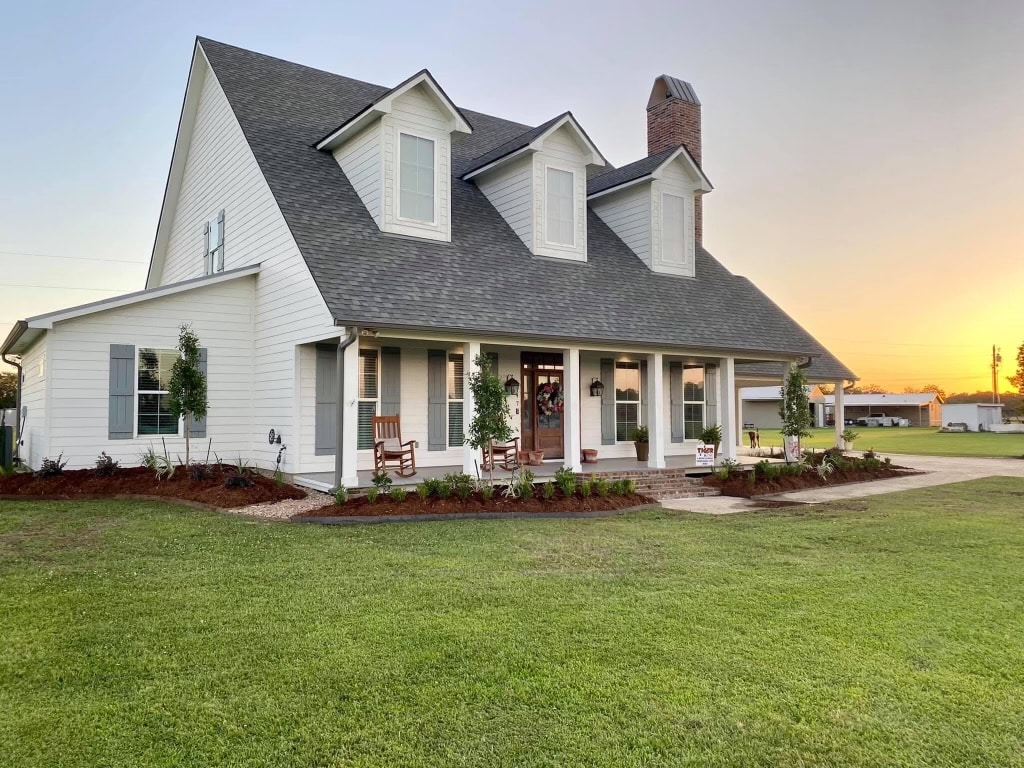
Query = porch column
x=470 y=352
x=727 y=411
x=571 y=415
x=839 y=413
x=656 y=410
x=348 y=412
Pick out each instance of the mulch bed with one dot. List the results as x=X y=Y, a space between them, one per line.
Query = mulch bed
x=475 y=504
x=740 y=485
x=139 y=481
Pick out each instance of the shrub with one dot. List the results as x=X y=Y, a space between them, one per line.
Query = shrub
x=548 y=490
x=602 y=487
x=460 y=483
x=444 y=489
x=372 y=494
x=627 y=487
x=524 y=484
x=239 y=480
x=728 y=468
x=586 y=488
x=106 y=466
x=565 y=479
x=641 y=435
x=398 y=494
x=432 y=487
x=870 y=454
x=52 y=467
x=199 y=471
x=341 y=495
x=423 y=491
x=887 y=462
x=161 y=466
x=487 y=492
x=382 y=481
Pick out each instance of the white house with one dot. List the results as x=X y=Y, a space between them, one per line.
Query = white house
x=344 y=249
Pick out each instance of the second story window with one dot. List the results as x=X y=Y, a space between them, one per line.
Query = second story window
x=673 y=221
x=416 y=178
x=215 y=244
x=560 y=225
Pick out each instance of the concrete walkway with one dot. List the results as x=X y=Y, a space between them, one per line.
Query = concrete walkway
x=938 y=470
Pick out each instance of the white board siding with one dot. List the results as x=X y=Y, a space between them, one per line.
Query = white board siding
x=360 y=159
x=35 y=367
x=510 y=190
x=628 y=214
x=560 y=150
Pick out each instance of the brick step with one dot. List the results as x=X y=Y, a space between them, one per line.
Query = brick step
x=664 y=474
x=688 y=493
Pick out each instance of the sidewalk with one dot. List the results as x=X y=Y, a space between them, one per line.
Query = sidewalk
x=939 y=470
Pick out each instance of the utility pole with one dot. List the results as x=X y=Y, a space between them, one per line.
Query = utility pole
x=996 y=360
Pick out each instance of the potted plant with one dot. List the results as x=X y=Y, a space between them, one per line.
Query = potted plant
x=848 y=436
x=590 y=456
x=712 y=436
x=642 y=439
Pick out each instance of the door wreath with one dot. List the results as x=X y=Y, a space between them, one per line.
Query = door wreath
x=550 y=399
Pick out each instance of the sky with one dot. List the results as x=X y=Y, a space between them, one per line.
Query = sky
x=867 y=157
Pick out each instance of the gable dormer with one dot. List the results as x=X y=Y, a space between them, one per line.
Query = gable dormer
x=538 y=183
x=397 y=155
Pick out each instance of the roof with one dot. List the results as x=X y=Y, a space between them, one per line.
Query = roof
x=904 y=399
x=641 y=169
x=680 y=89
x=25 y=332
x=973 y=405
x=485 y=280
x=770 y=393
x=822 y=369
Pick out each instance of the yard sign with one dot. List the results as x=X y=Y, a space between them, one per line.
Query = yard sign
x=705 y=455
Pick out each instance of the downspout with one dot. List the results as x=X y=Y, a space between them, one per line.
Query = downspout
x=339 y=439
x=17 y=409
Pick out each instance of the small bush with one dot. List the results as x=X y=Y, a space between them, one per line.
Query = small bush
x=198 y=471
x=398 y=494
x=887 y=462
x=423 y=491
x=565 y=479
x=460 y=483
x=382 y=481
x=586 y=488
x=623 y=487
x=487 y=492
x=870 y=454
x=239 y=481
x=728 y=468
x=341 y=495
x=524 y=484
x=433 y=486
x=548 y=491
x=372 y=494
x=602 y=487
x=52 y=467
x=106 y=466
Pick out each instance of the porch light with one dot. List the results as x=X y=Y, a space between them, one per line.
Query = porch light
x=511 y=386
x=596 y=388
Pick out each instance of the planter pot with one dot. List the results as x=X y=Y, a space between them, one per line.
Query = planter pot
x=589 y=456
x=642 y=451
x=847 y=445
x=536 y=458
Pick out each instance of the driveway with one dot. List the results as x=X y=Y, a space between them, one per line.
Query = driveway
x=939 y=470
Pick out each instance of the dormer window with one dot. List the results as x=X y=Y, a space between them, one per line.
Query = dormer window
x=673 y=227
x=416 y=178
x=561 y=220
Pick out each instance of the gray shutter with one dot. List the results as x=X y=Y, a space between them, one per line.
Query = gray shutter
x=608 y=401
x=223 y=241
x=121 y=407
x=675 y=387
x=390 y=381
x=437 y=400
x=645 y=409
x=326 y=419
x=206 y=248
x=710 y=395
x=199 y=425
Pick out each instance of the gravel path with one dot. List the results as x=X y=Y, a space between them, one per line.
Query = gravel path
x=282 y=510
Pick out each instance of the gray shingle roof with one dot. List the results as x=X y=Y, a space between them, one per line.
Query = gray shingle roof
x=645 y=166
x=509 y=147
x=485 y=281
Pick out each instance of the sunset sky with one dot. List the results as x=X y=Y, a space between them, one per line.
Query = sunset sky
x=867 y=158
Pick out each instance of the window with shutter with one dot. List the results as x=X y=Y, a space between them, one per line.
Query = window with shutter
x=456 y=395
x=627 y=400
x=154 y=406
x=693 y=401
x=369 y=396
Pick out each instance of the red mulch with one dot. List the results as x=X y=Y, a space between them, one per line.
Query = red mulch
x=138 y=481
x=740 y=485
x=414 y=505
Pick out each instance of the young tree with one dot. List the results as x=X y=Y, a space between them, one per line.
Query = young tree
x=491 y=414
x=8 y=389
x=795 y=408
x=187 y=387
x=1018 y=379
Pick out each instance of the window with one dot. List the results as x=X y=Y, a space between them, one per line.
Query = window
x=673 y=220
x=560 y=218
x=456 y=393
x=627 y=400
x=416 y=178
x=369 y=396
x=693 y=401
x=215 y=244
x=154 y=411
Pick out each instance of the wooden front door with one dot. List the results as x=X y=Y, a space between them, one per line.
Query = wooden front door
x=543 y=405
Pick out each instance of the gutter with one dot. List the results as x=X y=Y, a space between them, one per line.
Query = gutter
x=15 y=334
x=339 y=441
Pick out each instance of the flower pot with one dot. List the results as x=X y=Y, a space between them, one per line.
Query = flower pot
x=536 y=458
x=847 y=445
x=642 y=451
x=589 y=456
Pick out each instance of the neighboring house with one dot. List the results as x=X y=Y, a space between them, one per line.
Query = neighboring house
x=305 y=210
x=979 y=417
x=759 y=406
x=922 y=409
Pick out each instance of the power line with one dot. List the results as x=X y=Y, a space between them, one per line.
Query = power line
x=72 y=258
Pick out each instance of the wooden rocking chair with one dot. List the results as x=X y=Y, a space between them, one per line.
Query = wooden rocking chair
x=389 y=452
x=504 y=455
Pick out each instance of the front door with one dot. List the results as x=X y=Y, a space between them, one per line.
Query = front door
x=543 y=405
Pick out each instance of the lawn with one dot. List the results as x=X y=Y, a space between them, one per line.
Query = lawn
x=877 y=632
x=925 y=441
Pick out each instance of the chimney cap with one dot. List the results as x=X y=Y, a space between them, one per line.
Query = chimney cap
x=668 y=87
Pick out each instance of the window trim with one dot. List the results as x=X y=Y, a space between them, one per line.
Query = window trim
x=638 y=402
x=135 y=383
x=702 y=403
x=208 y=259
x=681 y=263
x=449 y=399
x=433 y=139
x=572 y=173
x=365 y=351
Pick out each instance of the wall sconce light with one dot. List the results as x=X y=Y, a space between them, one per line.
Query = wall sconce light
x=596 y=388
x=511 y=386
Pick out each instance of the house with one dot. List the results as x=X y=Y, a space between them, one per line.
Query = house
x=979 y=417
x=759 y=406
x=921 y=409
x=344 y=249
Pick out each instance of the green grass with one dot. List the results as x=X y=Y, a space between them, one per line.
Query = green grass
x=876 y=632
x=925 y=441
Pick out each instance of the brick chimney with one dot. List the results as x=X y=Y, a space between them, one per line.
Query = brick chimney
x=673 y=118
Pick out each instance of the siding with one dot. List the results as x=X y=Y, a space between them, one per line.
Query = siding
x=360 y=159
x=35 y=366
x=561 y=150
x=510 y=190
x=221 y=315
x=673 y=181
x=628 y=213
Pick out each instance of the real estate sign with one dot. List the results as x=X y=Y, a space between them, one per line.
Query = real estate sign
x=705 y=455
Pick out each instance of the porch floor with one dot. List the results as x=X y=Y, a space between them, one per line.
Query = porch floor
x=324 y=481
